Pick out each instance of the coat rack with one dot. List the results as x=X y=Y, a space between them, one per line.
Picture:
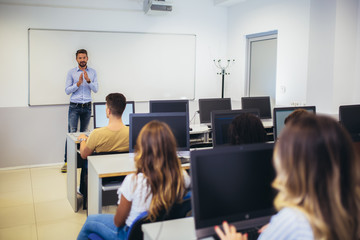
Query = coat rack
x=223 y=72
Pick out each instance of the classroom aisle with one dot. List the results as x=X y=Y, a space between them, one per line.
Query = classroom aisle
x=33 y=205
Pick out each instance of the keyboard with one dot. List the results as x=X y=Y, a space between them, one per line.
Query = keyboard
x=77 y=134
x=184 y=160
x=253 y=233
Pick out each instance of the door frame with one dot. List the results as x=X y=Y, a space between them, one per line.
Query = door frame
x=249 y=40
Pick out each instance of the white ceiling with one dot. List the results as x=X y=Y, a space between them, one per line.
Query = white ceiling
x=104 y=4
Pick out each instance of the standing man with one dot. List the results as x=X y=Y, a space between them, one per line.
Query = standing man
x=80 y=81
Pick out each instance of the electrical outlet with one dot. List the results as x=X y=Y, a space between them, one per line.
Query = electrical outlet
x=283 y=89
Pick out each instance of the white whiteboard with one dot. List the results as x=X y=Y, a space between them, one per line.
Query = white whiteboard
x=142 y=66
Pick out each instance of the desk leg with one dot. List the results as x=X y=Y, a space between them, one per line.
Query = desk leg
x=206 y=137
x=94 y=191
x=72 y=173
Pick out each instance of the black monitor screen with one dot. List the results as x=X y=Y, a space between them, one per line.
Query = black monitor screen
x=178 y=122
x=100 y=119
x=231 y=183
x=349 y=116
x=206 y=106
x=220 y=122
x=261 y=103
x=158 y=106
x=280 y=114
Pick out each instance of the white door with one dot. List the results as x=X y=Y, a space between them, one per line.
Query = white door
x=262 y=52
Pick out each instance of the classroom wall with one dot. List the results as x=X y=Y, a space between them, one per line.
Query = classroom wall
x=291 y=19
x=357 y=69
x=318 y=49
x=345 y=53
x=321 y=53
x=36 y=135
x=332 y=76
x=318 y=55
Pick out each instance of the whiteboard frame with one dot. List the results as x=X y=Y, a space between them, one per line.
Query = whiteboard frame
x=193 y=83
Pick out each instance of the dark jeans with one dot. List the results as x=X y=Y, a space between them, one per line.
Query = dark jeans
x=76 y=112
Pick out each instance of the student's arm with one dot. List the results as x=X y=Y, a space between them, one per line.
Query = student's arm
x=84 y=150
x=122 y=211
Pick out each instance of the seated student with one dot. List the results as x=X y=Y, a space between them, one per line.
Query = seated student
x=246 y=128
x=318 y=183
x=112 y=138
x=296 y=114
x=158 y=183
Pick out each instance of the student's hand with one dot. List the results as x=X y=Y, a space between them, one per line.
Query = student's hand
x=82 y=136
x=80 y=80
x=263 y=228
x=229 y=233
x=86 y=77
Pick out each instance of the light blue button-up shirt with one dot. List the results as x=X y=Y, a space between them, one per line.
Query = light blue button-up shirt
x=288 y=224
x=81 y=94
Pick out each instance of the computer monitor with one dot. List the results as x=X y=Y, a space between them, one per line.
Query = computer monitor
x=261 y=103
x=178 y=122
x=158 y=106
x=207 y=105
x=281 y=113
x=349 y=116
x=100 y=119
x=220 y=122
x=232 y=183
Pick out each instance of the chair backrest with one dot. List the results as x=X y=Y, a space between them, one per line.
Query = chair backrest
x=94 y=236
x=178 y=210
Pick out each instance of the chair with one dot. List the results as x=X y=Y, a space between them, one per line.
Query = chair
x=94 y=236
x=178 y=210
x=84 y=176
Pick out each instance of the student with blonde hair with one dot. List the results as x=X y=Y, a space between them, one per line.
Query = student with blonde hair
x=157 y=184
x=317 y=176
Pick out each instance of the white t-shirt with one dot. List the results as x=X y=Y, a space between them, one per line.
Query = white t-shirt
x=135 y=190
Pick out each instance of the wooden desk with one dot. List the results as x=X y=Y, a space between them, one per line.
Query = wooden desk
x=267 y=123
x=269 y=129
x=183 y=228
x=200 y=133
x=72 y=166
x=199 y=128
x=72 y=143
x=102 y=166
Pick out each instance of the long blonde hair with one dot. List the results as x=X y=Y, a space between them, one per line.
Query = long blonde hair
x=156 y=158
x=318 y=173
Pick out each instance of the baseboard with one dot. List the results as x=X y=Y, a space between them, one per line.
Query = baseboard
x=32 y=166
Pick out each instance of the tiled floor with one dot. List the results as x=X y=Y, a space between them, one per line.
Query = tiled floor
x=33 y=205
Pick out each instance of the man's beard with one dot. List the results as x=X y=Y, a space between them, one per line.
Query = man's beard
x=82 y=64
